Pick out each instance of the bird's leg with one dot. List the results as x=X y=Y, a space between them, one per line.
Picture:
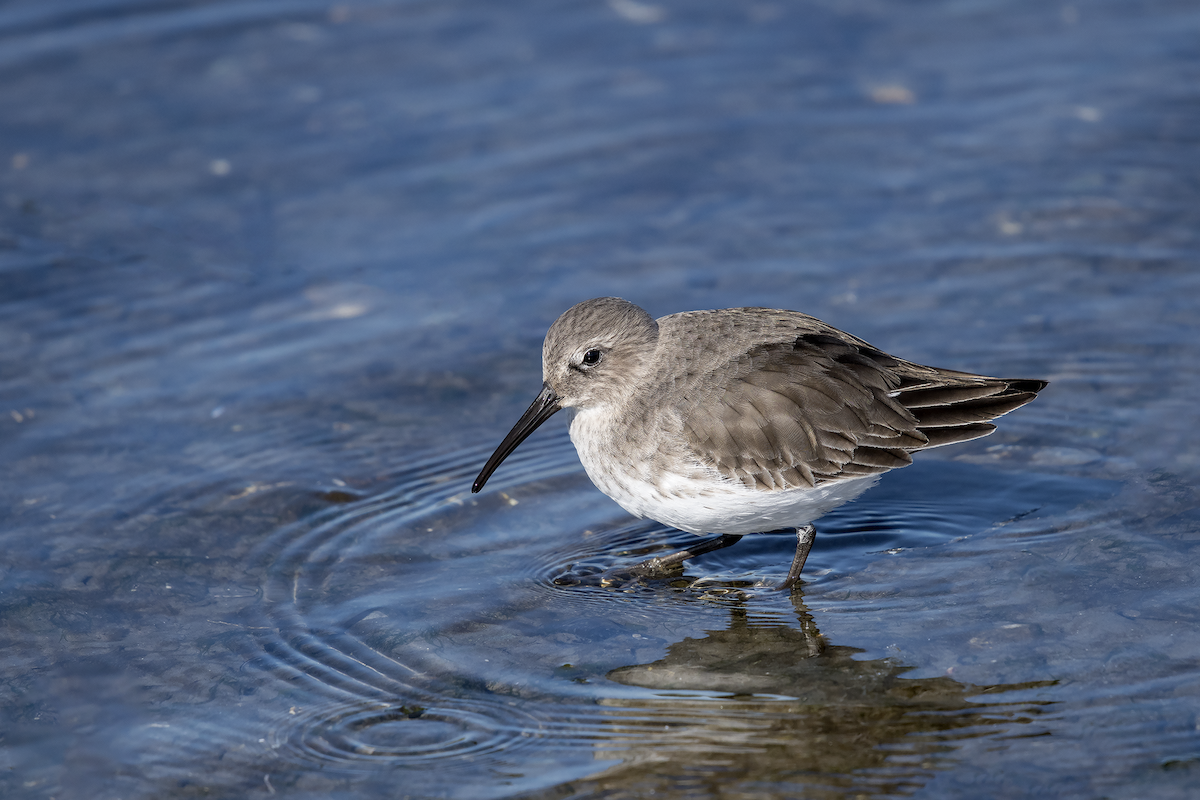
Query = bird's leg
x=804 y=540
x=657 y=566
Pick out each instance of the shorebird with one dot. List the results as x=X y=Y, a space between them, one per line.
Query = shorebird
x=743 y=420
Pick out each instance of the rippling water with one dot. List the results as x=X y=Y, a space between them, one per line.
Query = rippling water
x=273 y=283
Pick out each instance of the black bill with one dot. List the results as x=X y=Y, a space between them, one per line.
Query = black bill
x=541 y=410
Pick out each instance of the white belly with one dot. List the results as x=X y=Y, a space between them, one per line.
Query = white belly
x=696 y=499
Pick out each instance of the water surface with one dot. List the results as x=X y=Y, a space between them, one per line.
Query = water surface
x=273 y=283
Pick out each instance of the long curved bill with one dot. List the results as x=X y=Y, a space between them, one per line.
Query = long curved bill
x=541 y=410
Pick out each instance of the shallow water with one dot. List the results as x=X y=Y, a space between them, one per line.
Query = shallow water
x=273 y=283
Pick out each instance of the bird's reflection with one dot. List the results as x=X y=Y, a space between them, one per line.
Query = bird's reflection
x=773 y=702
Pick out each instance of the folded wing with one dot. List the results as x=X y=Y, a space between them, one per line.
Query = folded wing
x=823 y=408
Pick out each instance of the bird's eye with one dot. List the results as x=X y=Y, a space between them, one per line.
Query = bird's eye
x=591 y=358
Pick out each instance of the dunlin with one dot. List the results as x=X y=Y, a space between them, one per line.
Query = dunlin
x=743 y=420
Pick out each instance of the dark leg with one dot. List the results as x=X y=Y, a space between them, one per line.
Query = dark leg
x=657 y=566
x=804 y=540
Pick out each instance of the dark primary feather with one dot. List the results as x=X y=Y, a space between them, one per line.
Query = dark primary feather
x=823 y=407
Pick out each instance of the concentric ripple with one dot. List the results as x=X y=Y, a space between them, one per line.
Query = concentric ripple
x=427 y=624
x=387 y=702
x=405 y=733
x=407 y=611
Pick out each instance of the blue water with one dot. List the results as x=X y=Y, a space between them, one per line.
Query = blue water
x=273 y=283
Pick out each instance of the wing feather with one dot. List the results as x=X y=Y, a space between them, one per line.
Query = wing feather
x=825 y=406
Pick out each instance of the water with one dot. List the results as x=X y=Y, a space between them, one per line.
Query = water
x=273 y=283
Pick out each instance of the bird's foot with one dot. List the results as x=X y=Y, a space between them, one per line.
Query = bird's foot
x=804 y=541
x=658 y=567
